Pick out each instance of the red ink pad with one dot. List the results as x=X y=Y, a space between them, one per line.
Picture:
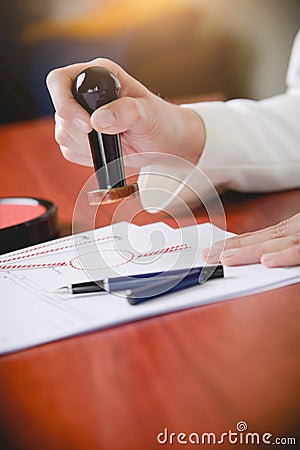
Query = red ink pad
x=26 y=221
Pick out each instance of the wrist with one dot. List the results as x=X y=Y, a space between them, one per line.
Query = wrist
x=192 y=134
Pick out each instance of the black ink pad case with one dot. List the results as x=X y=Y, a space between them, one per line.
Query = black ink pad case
x=26 y=221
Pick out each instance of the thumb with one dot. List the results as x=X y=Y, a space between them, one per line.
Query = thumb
x=121 y=115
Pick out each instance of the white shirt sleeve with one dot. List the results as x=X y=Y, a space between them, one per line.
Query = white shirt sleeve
x=250 y=145
x=255 y=145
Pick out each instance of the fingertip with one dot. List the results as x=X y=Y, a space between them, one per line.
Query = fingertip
x=233 y=257
x=213 y=254
x=103 y=118
x=205 y=253
x=70 y=110
x=75 y=157
x=270 y=260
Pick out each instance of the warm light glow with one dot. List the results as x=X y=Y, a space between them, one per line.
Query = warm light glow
x=107 y=20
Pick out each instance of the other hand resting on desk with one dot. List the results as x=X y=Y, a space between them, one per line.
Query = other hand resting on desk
x=276 y=246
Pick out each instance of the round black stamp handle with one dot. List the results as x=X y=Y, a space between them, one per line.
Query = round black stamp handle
x=93 y=88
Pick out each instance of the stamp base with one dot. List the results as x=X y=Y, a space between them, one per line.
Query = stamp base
x=106 y=196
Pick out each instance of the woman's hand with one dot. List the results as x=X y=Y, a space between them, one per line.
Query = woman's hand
x=146 y=122
x=276 y=246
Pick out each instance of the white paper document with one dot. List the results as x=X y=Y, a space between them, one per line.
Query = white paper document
x=32 y=314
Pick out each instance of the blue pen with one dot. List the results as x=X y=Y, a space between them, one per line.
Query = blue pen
x=175 y=283
x=134 y=281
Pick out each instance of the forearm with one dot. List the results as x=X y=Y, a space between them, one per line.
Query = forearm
x=252 y=146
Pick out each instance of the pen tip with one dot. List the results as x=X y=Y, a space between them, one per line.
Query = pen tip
x=62 y=290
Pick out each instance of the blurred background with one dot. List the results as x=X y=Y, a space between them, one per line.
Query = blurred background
x=177 y=48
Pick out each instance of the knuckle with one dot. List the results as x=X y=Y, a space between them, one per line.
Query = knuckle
x=234 y=242
x=264 y=247
x=294 y=252
x=279 y=230
x=131 y=112
x=134 y=104
x=61 y=136
x=51 y=77
x=295 y=240
x=63 y=109
x=68 y=154
x=105 y=61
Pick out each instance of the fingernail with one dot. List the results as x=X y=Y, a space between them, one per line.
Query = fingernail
x=105 y=118
x=269 y=259
x=211 y=253
x=205 y=253
x=230 y=253
x=83 y=125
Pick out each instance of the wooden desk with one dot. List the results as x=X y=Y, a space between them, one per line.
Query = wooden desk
x=200 y=370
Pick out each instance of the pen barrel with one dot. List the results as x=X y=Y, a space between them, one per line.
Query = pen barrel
x=140 y=280
x=174 y=283
x=159 y=288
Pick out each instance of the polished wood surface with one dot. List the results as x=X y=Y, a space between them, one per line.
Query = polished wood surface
x=200 y=370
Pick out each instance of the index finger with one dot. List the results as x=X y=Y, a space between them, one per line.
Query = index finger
x=280 y=230
x=59 y=82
